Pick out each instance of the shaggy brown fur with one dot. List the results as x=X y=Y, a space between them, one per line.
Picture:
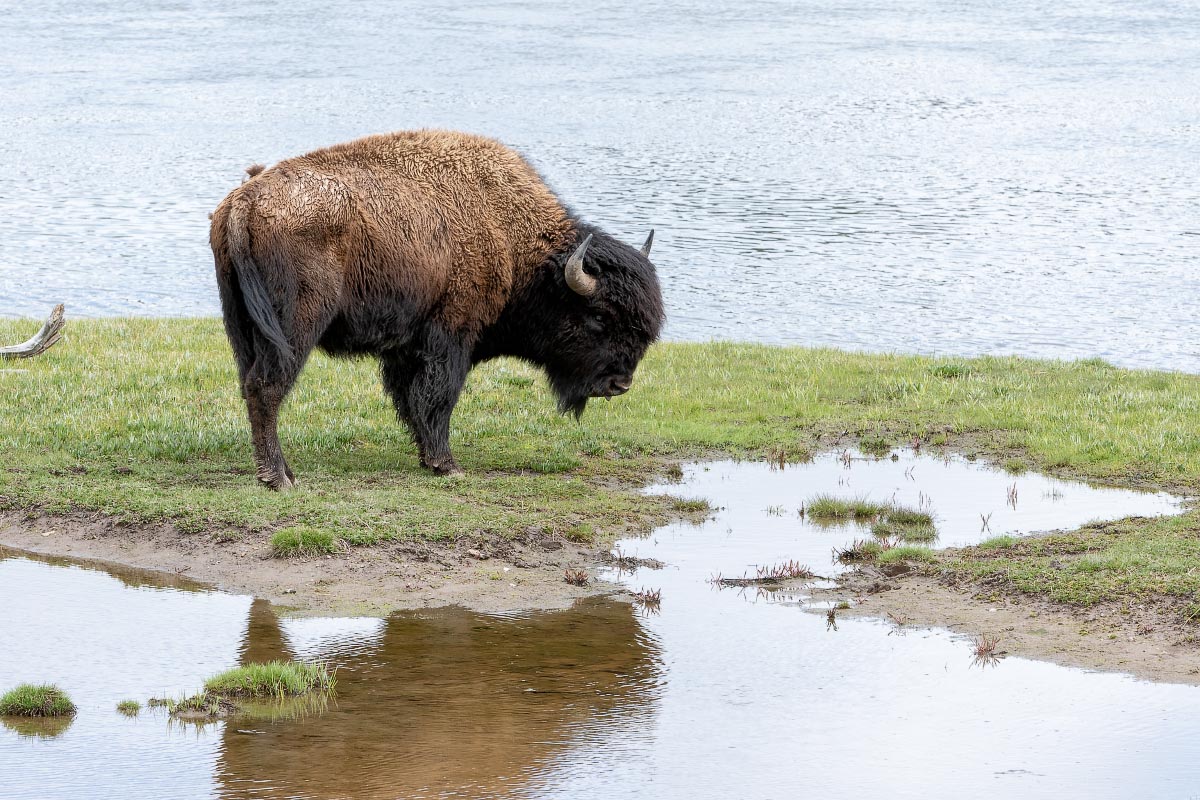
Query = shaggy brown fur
x=408 y=246
x=477 y=221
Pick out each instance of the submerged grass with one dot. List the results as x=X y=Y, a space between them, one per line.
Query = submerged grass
x=827 y=508
x=142 y=421
x=913 y=532
x=36 y=700
x=275 y=680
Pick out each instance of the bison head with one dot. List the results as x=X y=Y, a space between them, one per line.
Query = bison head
x=588 y=318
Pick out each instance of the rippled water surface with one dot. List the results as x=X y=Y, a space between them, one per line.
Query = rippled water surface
x=966 y=177
x=721 y=694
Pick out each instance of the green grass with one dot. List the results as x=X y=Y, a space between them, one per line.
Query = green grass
x=303 y=540
x=203 y=704
x=887 y=521
x=997 y=542
x=905 y=553
x=226 y=692
x=859 y=550
x=908 y=517
x=36 y=700
x=827 y=508
x=273 y=679
x=141 y=421
x=1134 y=560
x=129 y=708
x=875 y=445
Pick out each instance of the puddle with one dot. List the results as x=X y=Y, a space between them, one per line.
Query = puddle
x=712 y=696
x=759 y=520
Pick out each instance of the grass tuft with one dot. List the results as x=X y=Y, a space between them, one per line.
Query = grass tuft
x=950 y=370
x=303 y=540
x=907 y=552
x=998 y=542
x=861 y=550
x=273 y=679
x=130 y=708
x=649 y=601
x=878 y=446
x=904 y=517
x=36 y=700
x=582 y=533
x=575 y=577
x=827 y=508
x=768 y=574
x=204 y=704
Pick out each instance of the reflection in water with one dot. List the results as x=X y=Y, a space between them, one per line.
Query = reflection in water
x=37 y=728
x=713 y=696
x=448 y=701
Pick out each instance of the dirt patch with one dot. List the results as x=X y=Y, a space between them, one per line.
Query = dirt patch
x=1145 y=640
x=523 y=573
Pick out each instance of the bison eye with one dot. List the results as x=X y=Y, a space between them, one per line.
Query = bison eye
x=595 y=322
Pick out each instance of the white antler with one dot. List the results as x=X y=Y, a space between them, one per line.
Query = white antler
x=42 y=341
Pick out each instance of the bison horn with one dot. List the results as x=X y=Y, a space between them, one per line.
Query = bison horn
x=649 y=241
x=579 y=281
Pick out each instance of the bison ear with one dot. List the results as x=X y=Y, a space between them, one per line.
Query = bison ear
x=646 y=246
x=580 y=282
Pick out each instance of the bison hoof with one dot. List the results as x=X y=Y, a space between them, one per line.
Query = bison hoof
x=279 y=483
x=449 y=470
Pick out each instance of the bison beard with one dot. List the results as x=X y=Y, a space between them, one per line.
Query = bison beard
x=432 y=251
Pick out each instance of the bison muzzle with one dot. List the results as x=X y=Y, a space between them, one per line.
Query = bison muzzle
x=432 y=251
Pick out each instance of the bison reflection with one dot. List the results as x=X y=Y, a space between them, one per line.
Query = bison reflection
x=447 y=701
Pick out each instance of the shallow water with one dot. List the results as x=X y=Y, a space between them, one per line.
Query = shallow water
x=713 y=697
x=959 y=178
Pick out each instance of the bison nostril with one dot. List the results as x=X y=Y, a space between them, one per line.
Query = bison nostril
x=620 y=385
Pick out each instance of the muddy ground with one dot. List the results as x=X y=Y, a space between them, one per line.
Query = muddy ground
x=526 y=573
x=1146 y=640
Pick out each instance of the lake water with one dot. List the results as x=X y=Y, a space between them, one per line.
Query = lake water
x=722 y=694
x=950 y=177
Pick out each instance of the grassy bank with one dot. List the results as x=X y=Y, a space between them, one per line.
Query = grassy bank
x=1126 y=562
x=141 y=419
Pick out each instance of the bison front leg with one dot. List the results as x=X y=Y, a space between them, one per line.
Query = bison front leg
x=433 y=390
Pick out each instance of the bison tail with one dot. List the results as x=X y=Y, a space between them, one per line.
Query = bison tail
x=253 y=288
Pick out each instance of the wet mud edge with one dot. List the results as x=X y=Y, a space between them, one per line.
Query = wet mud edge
x=1143 y=640
x=486 y=575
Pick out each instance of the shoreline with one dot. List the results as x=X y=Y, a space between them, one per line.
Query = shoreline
x=1145 y=641
x=524 y=574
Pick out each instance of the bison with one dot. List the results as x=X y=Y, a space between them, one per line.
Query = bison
x=432 y=251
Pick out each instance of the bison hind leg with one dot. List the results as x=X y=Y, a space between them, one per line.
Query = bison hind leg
x=264 y=396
